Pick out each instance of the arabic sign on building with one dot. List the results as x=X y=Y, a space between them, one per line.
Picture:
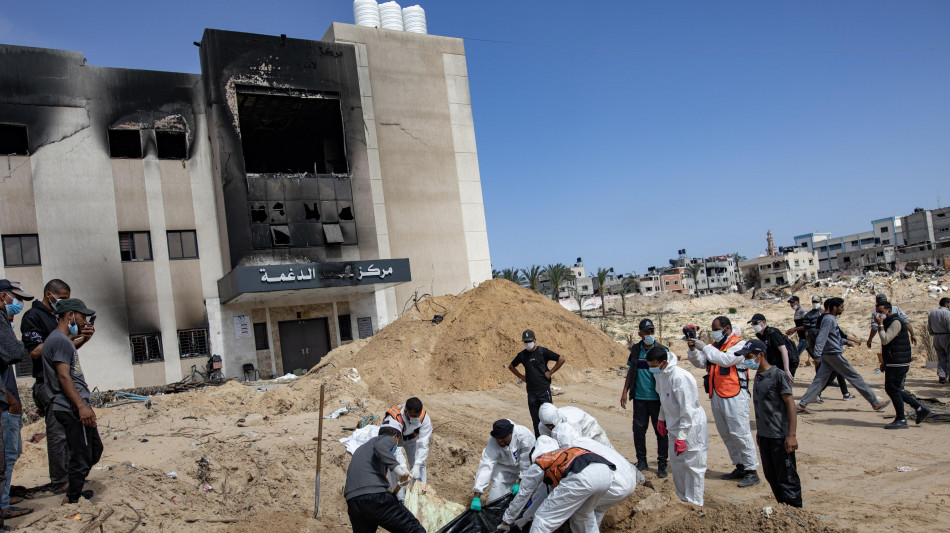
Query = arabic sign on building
x=268 y=278
x=365 y=325
x=242 y=326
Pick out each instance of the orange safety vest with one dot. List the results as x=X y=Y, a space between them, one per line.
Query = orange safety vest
x=395 y=413
x=557 y=462
x=726 y=385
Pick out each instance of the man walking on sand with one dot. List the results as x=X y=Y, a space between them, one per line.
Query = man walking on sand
x=938 y=324
x=898 y=312
x=537 y=375
x=829 y=348
x=895 y=362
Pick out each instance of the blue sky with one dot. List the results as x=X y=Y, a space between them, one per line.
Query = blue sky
x=622 y=131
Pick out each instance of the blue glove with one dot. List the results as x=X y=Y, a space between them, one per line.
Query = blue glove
x=516 y=488
x=476 y=504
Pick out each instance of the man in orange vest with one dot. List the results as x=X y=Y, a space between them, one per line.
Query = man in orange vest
x=415 y=428
x=578 y=479
x=727 y=383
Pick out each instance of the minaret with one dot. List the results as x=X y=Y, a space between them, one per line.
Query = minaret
x=771 y=249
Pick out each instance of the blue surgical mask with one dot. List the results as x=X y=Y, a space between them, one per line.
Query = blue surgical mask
x=717 y=335
x=15 y=307
x=751 y=364
x=649 y=339
x=655 y=370
x=74 y=329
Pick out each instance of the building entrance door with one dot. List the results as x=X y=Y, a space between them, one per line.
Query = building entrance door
x=303 y=343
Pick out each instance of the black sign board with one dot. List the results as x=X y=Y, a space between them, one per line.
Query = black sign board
x=365 y=325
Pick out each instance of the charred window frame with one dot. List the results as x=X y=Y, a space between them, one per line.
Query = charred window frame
x=260 y=336
x=125 y=144
x=193 y=343
x=14 y=140
x=21 y=250
x=146 y=348
x=135 y=246
x=182 y=244
x=171 y=144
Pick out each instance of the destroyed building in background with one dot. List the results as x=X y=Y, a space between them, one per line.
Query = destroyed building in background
x=268 y=209
x=692 y=275
x=779 y=266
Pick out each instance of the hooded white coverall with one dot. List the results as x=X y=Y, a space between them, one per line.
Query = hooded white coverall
x=502 y=467
x=585 y=424
x=731 y=414
x=626 y=477
x=685 y=420
x=416 y=447
x=575 y=497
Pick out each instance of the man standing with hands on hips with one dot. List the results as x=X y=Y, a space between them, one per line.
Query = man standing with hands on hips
x=537 y=375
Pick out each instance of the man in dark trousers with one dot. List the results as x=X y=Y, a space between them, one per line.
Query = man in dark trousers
x=69 y=394
x=799 y=319
x=895 y=362
x=369 y=501
x=640 y=386
x=810 y=324
x=537 y=375
x=777 y=351
x=775 y=424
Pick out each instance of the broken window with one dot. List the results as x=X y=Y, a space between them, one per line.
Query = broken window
x=193 y=343
x=182 y=244
x=125 y=144
x=13 y=140
x=21 y=250
x=135 y=246
x=171 y=144
x=346 y=213
x=280 y=234
x=291 y=134
x=333 y=233
x=146 y=348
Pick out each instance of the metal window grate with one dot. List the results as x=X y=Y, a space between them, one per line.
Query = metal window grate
x=146 y=348
x=193 y=343
x=260 y=336
x=346 y=329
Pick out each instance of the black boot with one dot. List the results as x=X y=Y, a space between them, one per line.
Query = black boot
x=749 y=479
x=738 y=473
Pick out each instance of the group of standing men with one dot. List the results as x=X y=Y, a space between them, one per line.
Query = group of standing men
x=52 y=331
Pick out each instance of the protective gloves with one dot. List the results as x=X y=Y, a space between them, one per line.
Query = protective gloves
x=476 y=504
x=679 y=446
x=503 y=527
x=417 y=471
x=515 y=488
x=699 y=344
x=661 y=427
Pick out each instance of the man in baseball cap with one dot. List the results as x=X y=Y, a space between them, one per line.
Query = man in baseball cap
x=896 y=311
x=640 y=386
x=537 y=375
x=506 y=457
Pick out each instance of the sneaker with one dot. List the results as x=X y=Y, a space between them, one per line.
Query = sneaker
x=922 y=414
x=848 y=396
x=819 y=400
x=13 y=512
x=661 y=472
x=642 y=466
x=942 y=379
x=881 y=404
x=738 y=473
x=749 y=480
x=897 y=424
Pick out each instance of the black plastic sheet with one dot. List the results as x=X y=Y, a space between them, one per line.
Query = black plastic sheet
x=484 y=521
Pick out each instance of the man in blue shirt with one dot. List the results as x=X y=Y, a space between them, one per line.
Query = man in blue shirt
x=640 y=386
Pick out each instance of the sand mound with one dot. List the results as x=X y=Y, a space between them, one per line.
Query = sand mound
x=471 y=347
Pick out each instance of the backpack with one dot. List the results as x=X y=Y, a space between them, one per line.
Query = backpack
x=790 y=345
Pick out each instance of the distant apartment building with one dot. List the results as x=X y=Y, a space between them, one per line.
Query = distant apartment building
x=576 y=281
x=926 y=237
x=884 y=231
x=716 y=274
x=787 y=267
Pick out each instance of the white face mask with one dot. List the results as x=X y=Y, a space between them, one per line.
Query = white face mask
x=795 y=307
x=816 y=306
x=529 y=345
x=758 y=328
x=717 y=335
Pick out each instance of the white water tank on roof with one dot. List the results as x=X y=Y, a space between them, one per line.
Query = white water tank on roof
x=366 y=13
x=390 y=16
x=414 y=19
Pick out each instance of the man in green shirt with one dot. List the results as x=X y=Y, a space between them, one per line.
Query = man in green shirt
x=640 y=386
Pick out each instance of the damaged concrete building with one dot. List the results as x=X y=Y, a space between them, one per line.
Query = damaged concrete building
x=289 y=199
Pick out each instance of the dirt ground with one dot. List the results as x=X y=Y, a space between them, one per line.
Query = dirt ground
x=261 y=477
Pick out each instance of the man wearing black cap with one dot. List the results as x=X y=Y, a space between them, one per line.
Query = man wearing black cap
x=505 y=458
x=778 y=352
x=898 y=312
x=12 y=296
x=799 y=318
x=64 y=377
x=537 y=375
x=640 y=386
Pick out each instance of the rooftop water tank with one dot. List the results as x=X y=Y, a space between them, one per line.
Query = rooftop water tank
x=390 y=16
x=414 y=19
x=366 y=13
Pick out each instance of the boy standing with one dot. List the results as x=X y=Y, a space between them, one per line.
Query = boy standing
x=775 y=422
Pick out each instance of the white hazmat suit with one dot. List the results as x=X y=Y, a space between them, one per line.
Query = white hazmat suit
x=583 y=423
x=731 y=414
x=502 y=467
x=685 y=420
x=415 y=444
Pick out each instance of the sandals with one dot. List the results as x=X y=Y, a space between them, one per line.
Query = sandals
x=13 y=512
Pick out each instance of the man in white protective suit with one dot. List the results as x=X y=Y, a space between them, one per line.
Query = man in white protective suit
x=578 y=479
x=415 y=429
x=684 y=420
x=505 y=459
x=626 y=477
x=727 y=383
x=583 y=423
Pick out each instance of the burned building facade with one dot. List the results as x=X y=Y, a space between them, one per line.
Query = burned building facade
x=289 y=199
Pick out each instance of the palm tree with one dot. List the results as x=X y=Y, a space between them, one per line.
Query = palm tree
x=628 y=286
x=602 y=274
x=513 y=275
x=580 y=300
x=495 y=274
x=533 y=276
x=693 y=270
x=556 y=274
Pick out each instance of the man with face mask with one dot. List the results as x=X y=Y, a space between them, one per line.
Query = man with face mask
x=504 y=459
x=811 y=323
x=778 y=353
x=898 y=313
x=727 y=383
x=64 y=377
x=537 y=375
x=799 y=319
x=12 y=296
x=416 y=429
x=369 y=503
x=641 y=388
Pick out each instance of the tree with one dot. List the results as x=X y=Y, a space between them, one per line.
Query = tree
x=628 y=286
x=736 y=259
x=513 y=275
x=602 y=274
x=556 y=274
x=576 y=291
x=495 y=274
x=533 y=276
x=694 y=269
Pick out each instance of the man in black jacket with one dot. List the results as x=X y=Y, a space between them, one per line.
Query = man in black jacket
x=895 y=362
x=537 y=375
x=777 y=351
x=640 y=386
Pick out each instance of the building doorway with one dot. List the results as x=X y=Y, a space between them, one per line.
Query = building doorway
x=303 y=343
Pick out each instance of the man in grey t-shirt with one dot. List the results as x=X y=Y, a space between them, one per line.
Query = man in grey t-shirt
x=63 y=375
